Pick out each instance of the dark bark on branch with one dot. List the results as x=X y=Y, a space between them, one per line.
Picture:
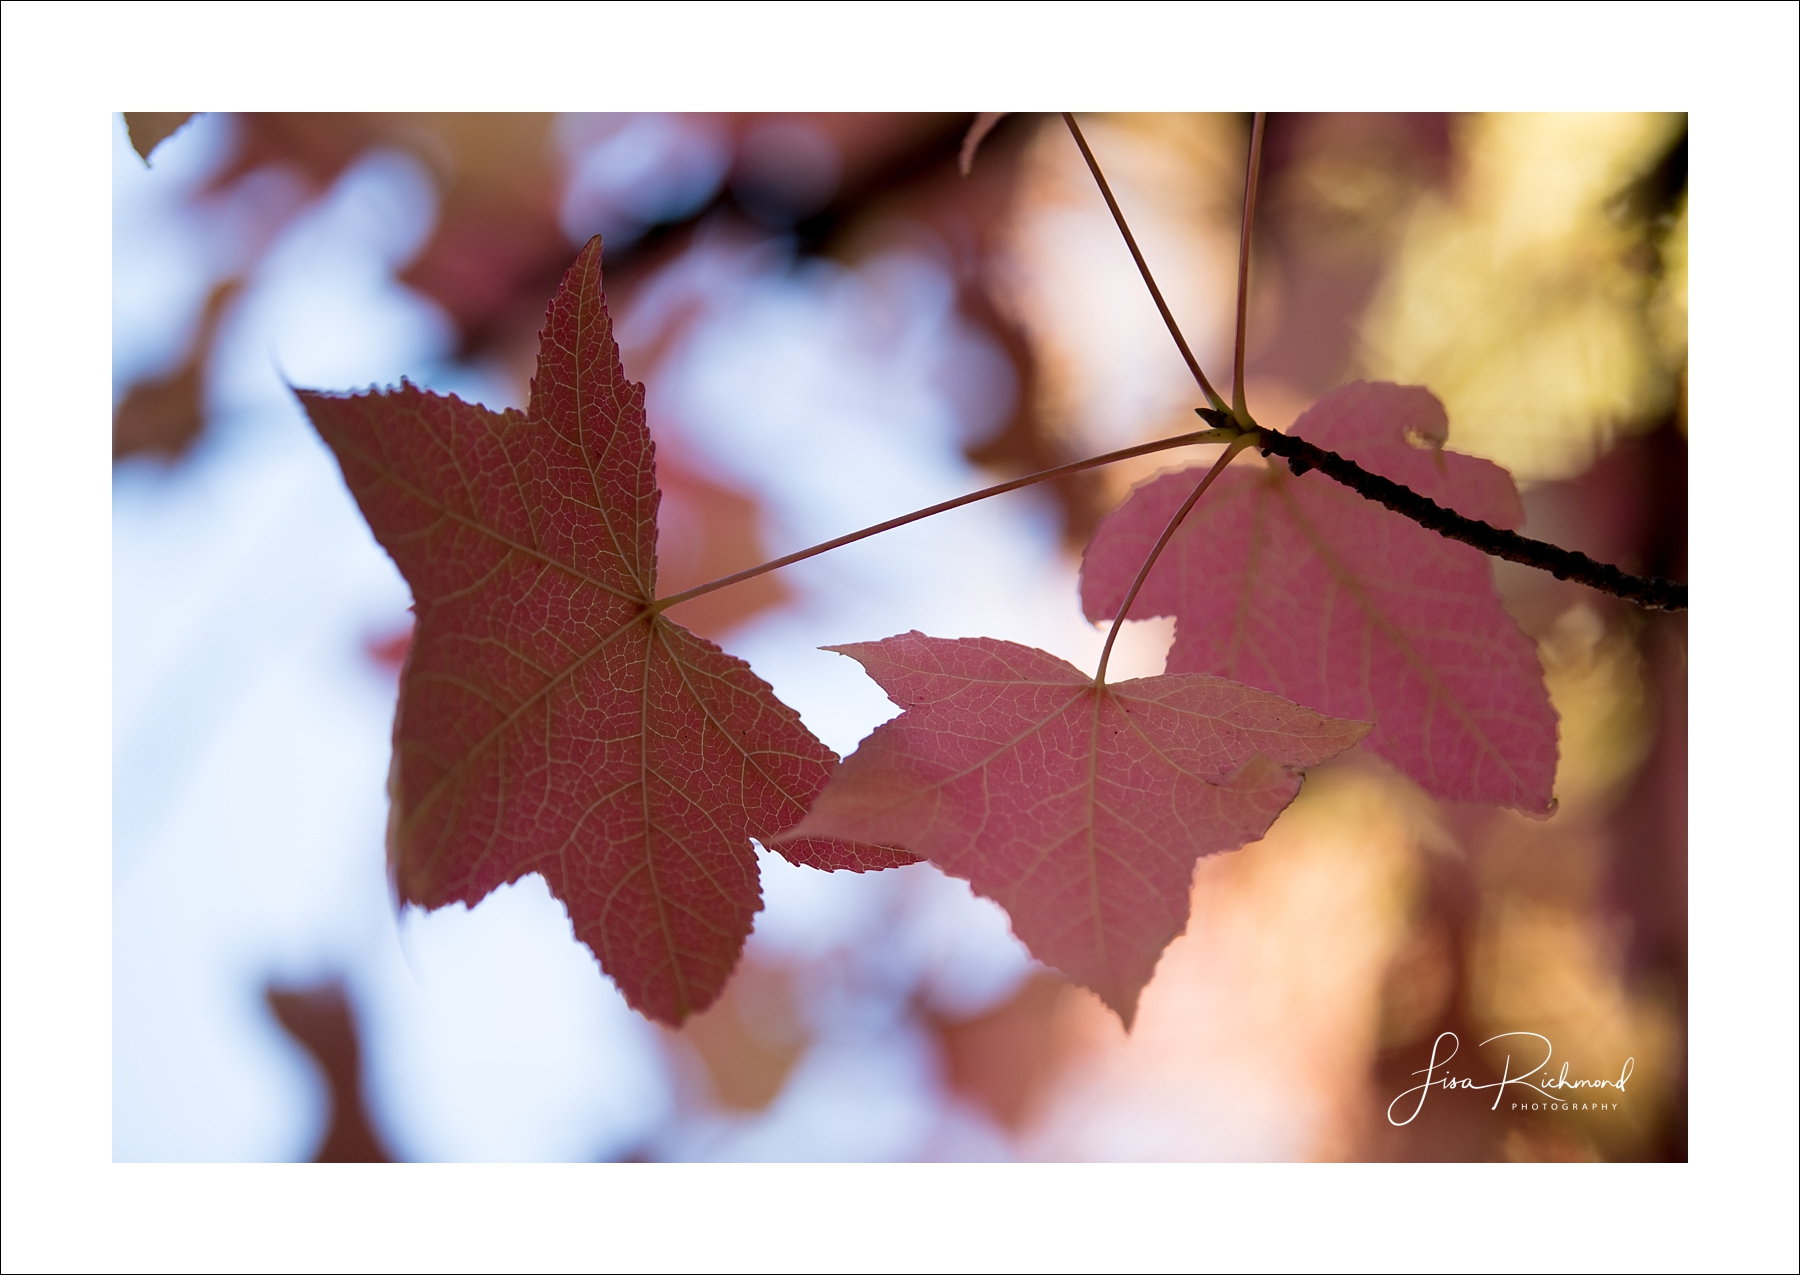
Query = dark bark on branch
x=1564 y=564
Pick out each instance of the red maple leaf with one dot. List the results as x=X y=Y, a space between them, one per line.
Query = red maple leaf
x=1300 y=586
x=1080 y=810
x=551 y=720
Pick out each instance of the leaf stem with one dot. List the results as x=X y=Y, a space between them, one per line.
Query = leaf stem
x=1253 y=169
x=1227 y=433
x=1565 y=564
x=1212 y=395
x=1237 y=445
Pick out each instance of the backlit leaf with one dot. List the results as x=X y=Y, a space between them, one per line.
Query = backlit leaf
x=1080 y=811
x=1302 y=587
x=550 y=720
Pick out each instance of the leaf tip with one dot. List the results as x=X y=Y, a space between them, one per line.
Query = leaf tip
x=1124 y=1007
x=148 y=130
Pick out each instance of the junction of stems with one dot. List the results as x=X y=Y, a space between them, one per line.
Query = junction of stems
x=1237 y=445
x=1234 y=425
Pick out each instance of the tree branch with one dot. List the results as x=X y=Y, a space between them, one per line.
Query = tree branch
x=1564 y=564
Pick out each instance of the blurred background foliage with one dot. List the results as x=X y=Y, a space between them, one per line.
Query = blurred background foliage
x=1531 y=270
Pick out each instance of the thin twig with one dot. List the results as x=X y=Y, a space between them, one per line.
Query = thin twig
x=1237 y=445
x=1228 y=433
x=1253 y=169
x=1564 y=564
x=1301 y=456
x=1212 y=395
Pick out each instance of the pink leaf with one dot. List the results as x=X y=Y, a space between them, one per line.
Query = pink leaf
x=1300 y=586
x=550 y=721
x=1080 y=811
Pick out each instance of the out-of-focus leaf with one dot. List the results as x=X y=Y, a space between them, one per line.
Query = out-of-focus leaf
x=751 y=1037
x=320 y=1018
x=1523 y=301
x=1004 y=1059
x=164 y=416
x=148 y=129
